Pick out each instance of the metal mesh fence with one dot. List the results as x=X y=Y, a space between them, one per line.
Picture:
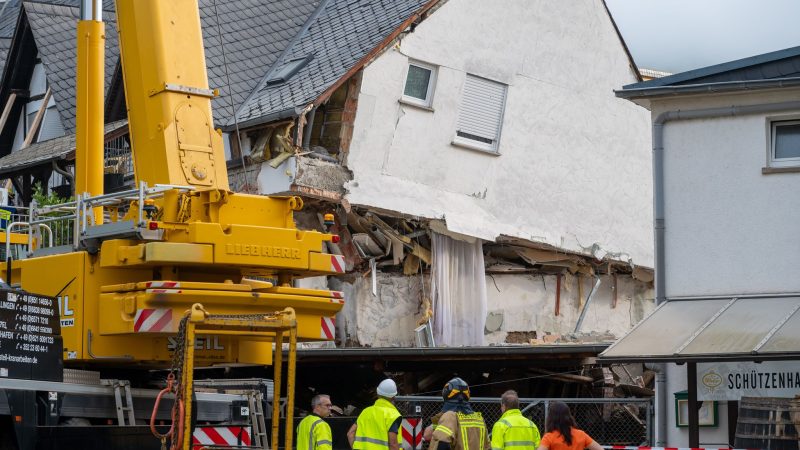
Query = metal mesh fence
x=118 y=157
x=609 y=421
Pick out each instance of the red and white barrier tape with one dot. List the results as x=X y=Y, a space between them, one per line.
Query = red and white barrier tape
x=622 y=447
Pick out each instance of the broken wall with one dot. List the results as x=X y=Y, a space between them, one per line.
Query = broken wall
x=518 y=306
x=386 y=319
x=527 y=303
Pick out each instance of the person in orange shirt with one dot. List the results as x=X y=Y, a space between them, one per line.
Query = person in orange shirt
x=562 y=433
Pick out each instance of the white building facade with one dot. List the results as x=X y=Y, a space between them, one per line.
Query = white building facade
x=727 y=162
x=516 y=133
x=513 y=131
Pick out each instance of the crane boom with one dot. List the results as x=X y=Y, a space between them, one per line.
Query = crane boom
x=146 y=268
x=181 y=237
x=169 y=101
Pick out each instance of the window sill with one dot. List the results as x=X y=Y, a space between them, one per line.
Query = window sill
x=475 y=148
x=772 y=170
x=414 y=105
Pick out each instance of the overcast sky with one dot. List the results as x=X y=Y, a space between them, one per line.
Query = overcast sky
x=679 y=35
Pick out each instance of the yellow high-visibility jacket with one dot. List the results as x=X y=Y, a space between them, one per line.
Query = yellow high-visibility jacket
x=372 y=426
x=313 y=433
x=515 y=432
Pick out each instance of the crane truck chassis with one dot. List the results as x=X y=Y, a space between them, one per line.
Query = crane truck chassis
x=175 y=273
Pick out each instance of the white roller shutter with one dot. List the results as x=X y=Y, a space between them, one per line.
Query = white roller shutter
x=481 y=113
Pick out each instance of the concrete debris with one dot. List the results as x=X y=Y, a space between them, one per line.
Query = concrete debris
x=586 y=338
x=626 y=380
x=643 y=274
x=367 y=246
x=535 y=293
x=520 y=337
x=325 y=178
x=546 y=339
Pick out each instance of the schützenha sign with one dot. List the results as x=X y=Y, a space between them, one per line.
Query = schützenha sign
x=734 y=380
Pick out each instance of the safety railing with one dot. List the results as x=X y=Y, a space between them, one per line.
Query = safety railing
x=67 y=223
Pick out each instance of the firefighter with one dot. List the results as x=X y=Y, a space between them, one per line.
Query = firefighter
x=313 y=433
x=458 y=427
x=378 y=426
x=513 y=430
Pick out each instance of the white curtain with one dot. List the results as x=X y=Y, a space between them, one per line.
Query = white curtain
x=459 y=292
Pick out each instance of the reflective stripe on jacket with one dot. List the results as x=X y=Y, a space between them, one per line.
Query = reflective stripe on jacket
x=372 y=426
x=515 y=432
x=461 y=431
x=313 y=433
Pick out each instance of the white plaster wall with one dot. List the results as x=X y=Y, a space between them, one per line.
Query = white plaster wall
x=574 y=166
x=729 y=228
x=679 y=437
x=526 y=302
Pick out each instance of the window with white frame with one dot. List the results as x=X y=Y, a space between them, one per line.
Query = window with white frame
x=419 y=84
x=480 y=116
x=785 y=143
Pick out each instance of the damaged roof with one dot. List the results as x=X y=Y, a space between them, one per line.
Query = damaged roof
x=53 y=25
x=253 y=35
x=247 y=43
x=338 y=35
x=253 y=38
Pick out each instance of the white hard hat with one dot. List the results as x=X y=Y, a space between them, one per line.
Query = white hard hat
x=387 y=388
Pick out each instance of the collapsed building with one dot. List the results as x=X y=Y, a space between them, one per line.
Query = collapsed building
x=491 y=195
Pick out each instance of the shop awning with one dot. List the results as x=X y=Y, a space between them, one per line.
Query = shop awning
x=714 y=329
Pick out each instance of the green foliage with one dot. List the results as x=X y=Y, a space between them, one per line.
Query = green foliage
x=51 y=198
x=62 y=229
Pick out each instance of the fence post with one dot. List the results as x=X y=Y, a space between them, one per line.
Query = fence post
x=546 y=408
x=650 y=407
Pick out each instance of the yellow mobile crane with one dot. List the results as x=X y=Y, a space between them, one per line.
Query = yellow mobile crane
x=138 y=260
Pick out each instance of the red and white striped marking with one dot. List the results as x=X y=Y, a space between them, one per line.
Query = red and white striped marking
x=163 y=284
x=622 y=447
x=337 y=297
x=337 y=263
x=220 y=436
x=412 y=433
x=327 y=328
x=153 y=320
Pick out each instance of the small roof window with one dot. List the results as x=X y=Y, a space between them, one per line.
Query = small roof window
x=286 y=71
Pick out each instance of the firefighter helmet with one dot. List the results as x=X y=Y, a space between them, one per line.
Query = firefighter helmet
x=455 y=389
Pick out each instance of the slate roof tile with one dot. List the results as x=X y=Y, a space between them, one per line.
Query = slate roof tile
x=5 y=46
x=42 y=152
x=255 y=34
x=342 y=33
x=9 y=12
x=779 y=64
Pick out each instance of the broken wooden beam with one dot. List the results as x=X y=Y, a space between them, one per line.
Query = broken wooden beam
x=567 y=377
